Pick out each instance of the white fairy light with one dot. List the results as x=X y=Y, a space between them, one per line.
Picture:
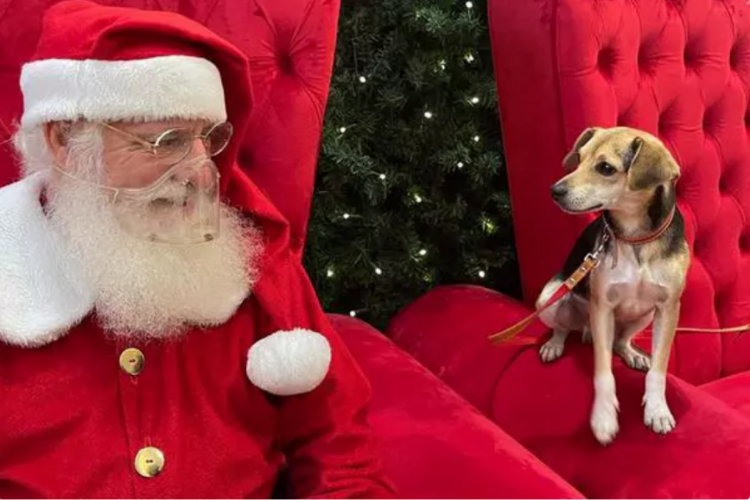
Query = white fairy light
x=469 y=5
x=427 y=114
x=417 y=198
x=342 y=129
x=382 y=177
x=353 y=314
x=346 y=216
x=423 y=252
x=362 y=79
x=460 y=164
x=475 y=100
x=378 y=271
x=442 y=64
x=476 y=138
x=329 y=273
x=469 y=57
x=482 y=274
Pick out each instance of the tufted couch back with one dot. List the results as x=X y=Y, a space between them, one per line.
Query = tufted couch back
x=290 y=46
x=679 y=69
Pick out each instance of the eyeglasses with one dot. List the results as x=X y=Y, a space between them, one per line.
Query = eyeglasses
x=173 y=145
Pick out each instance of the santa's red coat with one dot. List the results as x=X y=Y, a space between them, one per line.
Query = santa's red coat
x=72 y=420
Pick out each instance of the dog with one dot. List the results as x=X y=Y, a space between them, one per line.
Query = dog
x=629 y=176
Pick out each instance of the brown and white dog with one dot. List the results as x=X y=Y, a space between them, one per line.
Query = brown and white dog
x=630 y=176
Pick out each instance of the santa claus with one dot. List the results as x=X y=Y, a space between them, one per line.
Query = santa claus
x=157 y=337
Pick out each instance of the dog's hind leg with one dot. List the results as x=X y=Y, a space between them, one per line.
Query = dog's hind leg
x=554 y=347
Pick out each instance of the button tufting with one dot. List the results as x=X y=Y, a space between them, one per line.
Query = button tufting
x=745 y=241
x=286 y=65
x=723 y=184
x=734 y=56
x=690 y=58
x=645 y=63
x=606 y=60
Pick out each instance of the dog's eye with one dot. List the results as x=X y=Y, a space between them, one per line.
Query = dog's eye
x=606 y=169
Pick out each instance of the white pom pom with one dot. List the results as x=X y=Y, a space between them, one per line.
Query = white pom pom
x=289 y=362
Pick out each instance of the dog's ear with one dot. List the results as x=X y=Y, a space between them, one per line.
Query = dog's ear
x=648 y=165
x=572 y=159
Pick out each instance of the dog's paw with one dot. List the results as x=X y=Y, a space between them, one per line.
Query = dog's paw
x=656 y=415
x=552 y=350
x=586 y=336
x=604 y=419
x=632 y=357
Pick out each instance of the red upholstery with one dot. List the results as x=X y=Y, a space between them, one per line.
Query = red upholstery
x=678 y=69
x=436 y=445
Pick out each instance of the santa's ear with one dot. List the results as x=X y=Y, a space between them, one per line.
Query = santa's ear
x=649 y=164
x=573 y=158
x=56 y=137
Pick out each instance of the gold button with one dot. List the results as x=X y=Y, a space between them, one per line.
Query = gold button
x=149 y=461
x=131 y=361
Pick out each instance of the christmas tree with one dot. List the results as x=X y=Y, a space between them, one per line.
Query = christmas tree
x=411 y=191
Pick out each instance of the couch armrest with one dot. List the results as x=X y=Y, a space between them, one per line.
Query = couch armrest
x=447 y=330
x=435 y=444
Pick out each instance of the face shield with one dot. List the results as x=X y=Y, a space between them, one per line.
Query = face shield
x=181 y=207
x=174 y=198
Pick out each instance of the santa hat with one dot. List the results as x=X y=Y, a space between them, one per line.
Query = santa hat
x=102 y=63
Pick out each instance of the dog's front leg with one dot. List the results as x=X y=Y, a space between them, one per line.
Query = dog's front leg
x=656 y=414
x=604 y=412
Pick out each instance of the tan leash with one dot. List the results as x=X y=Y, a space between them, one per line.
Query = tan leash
x=590 y=262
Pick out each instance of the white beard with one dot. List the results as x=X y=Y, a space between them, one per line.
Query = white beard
x=152 y=290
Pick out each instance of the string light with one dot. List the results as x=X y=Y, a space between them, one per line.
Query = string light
x=427 y=114
x=329 y=273
x=378 y=271
x=362 y=79
x=342 y=129
x=346 y=216
x=423 y=252
x=469 y=5
x=469 y=57
x=353 y=314
x=487 y=225
x=382 y=177
x=482 y=274
x=417 y=198
x=442 y=64
x=460 y=164
x=476 y=138
x=475 y=100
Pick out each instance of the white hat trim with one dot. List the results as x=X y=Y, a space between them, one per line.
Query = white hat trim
x=156 y=88
x=289 y=362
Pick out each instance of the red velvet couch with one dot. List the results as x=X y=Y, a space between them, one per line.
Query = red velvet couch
x=435 y=444
x=679 y=69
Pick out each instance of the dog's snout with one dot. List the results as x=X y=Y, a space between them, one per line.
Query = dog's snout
x=559 y=190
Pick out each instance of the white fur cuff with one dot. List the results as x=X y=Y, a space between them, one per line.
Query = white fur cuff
x=289 y=362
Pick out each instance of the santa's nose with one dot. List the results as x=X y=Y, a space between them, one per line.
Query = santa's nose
x=199 y=148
